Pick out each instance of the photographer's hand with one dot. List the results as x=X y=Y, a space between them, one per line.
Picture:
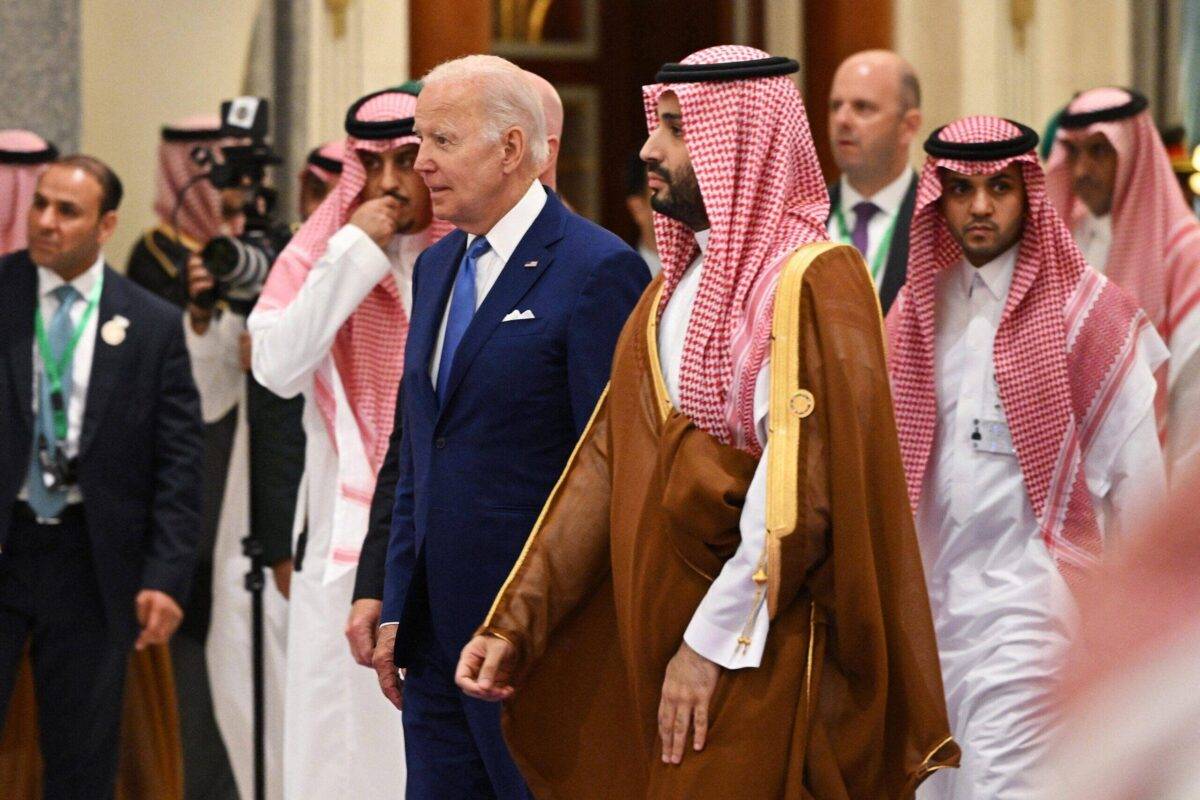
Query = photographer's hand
x=198 y=280
x=378 y=219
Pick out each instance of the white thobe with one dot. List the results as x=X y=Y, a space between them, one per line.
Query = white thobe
x=217 y=369
x=730 y=608
x=342 y=738
x=1002 y=611
x=1094 y=236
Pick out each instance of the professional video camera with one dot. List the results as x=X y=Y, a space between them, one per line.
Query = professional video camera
x=240 y=264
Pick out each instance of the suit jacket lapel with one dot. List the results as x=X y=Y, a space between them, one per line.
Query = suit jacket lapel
x=897 y=263
x=427 y=320
x=106 y=358
x=20 y=306
x=514 y=281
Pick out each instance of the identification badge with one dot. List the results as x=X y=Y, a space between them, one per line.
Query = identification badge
x=992 y=436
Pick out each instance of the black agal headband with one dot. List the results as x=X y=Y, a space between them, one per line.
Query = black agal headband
x=43 y=156
x=982 y=151
x=324 y=162
x=172 y=134
x=381 y=129
x=727 y=70
x=1136 y=105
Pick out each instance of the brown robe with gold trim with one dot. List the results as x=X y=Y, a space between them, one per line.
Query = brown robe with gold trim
x=847 y=702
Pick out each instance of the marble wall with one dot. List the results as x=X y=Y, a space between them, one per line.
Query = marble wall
x=40 y=69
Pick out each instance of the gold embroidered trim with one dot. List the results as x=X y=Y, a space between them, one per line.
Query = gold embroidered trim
x=162 y=258
x=790 y=405
x=924 y=769
x=656 y=376
x=808 y=667
x=537 y=526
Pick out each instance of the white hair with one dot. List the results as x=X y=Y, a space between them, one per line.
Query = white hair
x=506 y=97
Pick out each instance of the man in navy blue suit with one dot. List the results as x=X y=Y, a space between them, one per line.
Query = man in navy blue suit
x=515 y=318
x=100 y=475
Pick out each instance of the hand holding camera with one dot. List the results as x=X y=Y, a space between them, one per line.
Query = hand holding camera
x=199 y=283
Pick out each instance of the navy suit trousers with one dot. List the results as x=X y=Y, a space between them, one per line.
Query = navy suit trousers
x=50 y=599
x=452 y=743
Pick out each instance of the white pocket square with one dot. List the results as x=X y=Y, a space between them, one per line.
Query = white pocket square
x=515 y=315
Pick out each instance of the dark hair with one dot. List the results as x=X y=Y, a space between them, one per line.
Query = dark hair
x=635 y=176
x=110 y=185
x=910 y=89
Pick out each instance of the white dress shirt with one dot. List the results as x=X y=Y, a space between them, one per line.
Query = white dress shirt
x=81 y=364
x=1094 y=236
x=888 y=199
x=727 y=608
x=504 y=237
x=1001 y=609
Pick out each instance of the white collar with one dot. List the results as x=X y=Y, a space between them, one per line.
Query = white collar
x=996 y=275
x=1099 y=228
x=506 y=234
x=702 y=240
x=888 y=199
x=48 y=279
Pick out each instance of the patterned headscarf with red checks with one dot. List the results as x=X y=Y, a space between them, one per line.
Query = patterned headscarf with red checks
x=368 y=351
x=23 y=158
x=1155 y=252
x=752 y=150
x=1067 y=339
x=198 y=212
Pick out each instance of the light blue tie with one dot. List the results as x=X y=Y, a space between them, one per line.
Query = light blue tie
x=462 y=309
x=49 y=503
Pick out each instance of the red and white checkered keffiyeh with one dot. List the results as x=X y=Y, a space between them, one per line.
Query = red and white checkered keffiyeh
x=1065 y=343
x=1155 y=252
x=17 y=185
x=753 y=153
x=368 y=351
x=199 y=214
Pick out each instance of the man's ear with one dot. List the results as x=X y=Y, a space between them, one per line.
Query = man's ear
x=108 y=225
x=910 y=124
x=515 y=148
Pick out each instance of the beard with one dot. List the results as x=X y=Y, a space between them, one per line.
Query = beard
x=681 y=200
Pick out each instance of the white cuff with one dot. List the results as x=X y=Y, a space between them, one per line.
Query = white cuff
x=721 y=646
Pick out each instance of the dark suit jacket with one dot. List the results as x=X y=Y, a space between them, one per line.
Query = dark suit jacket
x=141 y=446
x=476 y=468
x=896 y=269
x=372 y=560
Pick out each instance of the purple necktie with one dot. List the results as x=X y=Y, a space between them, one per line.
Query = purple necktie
x=863 y=212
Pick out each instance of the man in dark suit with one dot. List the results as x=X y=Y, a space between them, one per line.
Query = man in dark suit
x=515 y=317
x=100 y=474
x=874 y=115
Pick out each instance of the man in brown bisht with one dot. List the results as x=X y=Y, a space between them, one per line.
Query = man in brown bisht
x=688 y=577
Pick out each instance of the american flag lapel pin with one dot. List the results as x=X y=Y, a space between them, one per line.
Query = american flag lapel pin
x=530 y=264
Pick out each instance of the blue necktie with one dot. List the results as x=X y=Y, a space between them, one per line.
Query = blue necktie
x=462 y=309
x=49 y=503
